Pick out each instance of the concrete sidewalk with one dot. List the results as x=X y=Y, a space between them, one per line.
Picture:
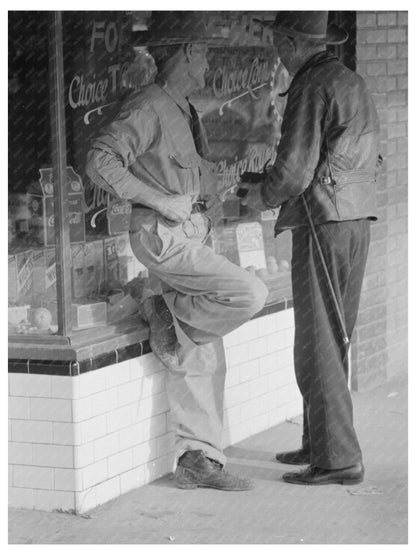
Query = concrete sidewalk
x=373 y=512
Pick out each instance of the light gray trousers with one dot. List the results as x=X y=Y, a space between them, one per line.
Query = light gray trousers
x=208 y=297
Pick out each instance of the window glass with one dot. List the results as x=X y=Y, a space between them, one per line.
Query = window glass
x=242 y=113
x=239 y=107
x=32 y=296
x=98 y=56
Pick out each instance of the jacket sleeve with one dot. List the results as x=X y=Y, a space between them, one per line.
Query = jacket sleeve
x=131 y=134
x=299 y=147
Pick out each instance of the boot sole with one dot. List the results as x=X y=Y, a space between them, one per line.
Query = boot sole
x=208 y=486
x=342 y=482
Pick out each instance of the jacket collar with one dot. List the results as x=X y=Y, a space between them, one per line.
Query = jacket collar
x=315 y=60
x=176 y=96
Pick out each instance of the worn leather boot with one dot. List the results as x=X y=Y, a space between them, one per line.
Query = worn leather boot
x=196 y=470
x=300 y=456
x=162 y=335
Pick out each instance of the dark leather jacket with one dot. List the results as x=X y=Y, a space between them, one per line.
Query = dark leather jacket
x=328 y=149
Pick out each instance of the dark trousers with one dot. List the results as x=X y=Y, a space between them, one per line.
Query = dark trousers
x=321 y=359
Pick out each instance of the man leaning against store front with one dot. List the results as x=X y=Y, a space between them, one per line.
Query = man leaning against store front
x=153 y=155
x=324 y=180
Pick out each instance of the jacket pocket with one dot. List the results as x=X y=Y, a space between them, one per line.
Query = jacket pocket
x=187 y=167
x=186 y=161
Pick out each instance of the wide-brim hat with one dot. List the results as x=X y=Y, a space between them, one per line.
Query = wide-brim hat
x=179 y=27
x=308 y=25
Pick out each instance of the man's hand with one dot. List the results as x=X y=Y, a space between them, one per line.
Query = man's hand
x=252 y=177
x=249 y=190
x=213 y=207
x=176 y=208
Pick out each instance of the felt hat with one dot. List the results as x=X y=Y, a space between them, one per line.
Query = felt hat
x=308 y=25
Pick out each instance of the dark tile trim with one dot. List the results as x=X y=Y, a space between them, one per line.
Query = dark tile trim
x=75 y=368
x=18 y=366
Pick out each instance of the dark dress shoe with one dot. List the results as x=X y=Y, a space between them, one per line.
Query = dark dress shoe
x=315 y=476
x=195 y=470
x=300 y=456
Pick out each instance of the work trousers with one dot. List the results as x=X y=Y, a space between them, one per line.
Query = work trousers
x=320 y=356
x=208 y=297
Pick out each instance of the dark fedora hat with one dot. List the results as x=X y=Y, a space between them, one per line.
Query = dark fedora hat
x=179 y=27
x=307 y=25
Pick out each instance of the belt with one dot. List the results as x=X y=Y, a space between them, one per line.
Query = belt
x=196 y=207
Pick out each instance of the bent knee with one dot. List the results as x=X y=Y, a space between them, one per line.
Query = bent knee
x=256 y=294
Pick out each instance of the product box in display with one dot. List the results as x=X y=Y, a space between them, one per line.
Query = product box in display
x=111 y=263
x=86 y=314
x=44 y=275
x=118 y=216
x=94 y=267
x=20 y=276
x=17 y=314
x=129 y=266
x=41 y=206
x=78 y=273
x=250 y=245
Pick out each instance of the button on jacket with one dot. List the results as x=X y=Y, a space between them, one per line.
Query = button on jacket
x=328 y=147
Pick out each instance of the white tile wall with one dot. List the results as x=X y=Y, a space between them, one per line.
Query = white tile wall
x=129 y=392
x=52 y=500
x=25 y=385
x=132 y=479
x=65 y=433
x=144 y=452
x=122 y=375
x=83 y=455
x=94 y=474
x=20 y=453
x=155 y=426
x=92 y=382
x=57 y=456
x=120 y=462
x=21 y=498
x=36 y=477
x=107 y=490
x=19 y=408
x=131 y=436
x=67 y=479
x=65 y=387
x=53 y=410
x=93 y=428
x=106 y=446
x=157 y=468
x=31 y=431
x=85 y=500
x=76 y=442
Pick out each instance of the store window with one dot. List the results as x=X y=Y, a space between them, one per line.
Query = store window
x=102 y=64
x=32 y=295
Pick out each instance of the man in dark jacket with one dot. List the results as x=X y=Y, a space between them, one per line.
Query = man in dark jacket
x=324 y=181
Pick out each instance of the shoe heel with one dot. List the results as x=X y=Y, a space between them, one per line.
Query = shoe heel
x=184 y=479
